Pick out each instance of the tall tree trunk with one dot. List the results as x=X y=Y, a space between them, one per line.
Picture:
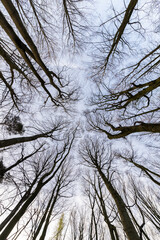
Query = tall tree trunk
x=126 y=221
x=13 y=141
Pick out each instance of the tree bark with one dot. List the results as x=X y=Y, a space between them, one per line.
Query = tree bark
x=20 y=26
x=13 y=141
x=126 y=221
x=127 y=130
x=121 y=29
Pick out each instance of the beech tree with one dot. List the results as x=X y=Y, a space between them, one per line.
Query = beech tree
x=129 y=155
x=124 y=106
x=99 y=157
x=83 y=223
x=46 y=169
x=35 y=146
x=127 y=73
x=100 y=202
x=146 y=204
x=94 y=156
x=13 y=141
x=29 y=46
x=40 y=119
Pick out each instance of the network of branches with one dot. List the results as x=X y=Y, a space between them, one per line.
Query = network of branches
x=80 y=129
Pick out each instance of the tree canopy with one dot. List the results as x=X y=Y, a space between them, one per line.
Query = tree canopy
x=79 y=101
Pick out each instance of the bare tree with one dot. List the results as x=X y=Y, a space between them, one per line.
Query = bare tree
x=12 y=141
x=50 y=169
x=149 y=169
x=35 y=37
x=24 y=56
x=125 y=97
x=98 y=197
x=94 y=154
x=146 y=202
x=100 y=124
x=30 y=80
x=85 y=223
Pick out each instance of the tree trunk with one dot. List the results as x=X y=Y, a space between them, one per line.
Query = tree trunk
x=13 y=141
x=126 y=221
